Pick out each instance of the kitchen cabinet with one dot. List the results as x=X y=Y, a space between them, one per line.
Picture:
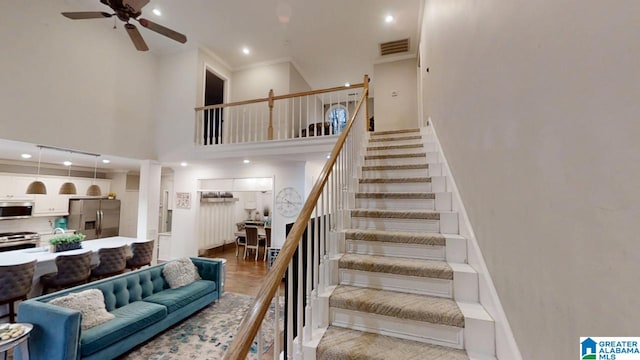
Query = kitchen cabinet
x=14 y=187
x=52 y=203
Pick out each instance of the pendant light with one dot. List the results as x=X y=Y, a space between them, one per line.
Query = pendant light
x=94 y=190
x=37 y=187
x=68 y=188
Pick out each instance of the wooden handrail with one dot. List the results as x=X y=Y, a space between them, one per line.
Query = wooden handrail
x=279 y=97
x=253 y=319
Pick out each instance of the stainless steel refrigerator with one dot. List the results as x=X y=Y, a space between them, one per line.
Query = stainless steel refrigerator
x=96 y=218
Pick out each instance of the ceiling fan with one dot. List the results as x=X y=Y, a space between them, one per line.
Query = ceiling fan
x=126 y=10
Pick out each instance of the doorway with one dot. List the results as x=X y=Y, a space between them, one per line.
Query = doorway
x=213 y=119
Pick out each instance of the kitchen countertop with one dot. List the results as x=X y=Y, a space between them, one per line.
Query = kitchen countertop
x=42 y=254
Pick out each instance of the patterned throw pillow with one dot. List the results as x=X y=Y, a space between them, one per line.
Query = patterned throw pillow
x=180 y=272
x=91 y=305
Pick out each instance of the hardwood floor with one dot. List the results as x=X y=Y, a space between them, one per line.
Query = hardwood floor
x=244 y=276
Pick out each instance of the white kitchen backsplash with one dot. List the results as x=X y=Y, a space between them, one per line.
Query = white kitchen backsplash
x=39 y=224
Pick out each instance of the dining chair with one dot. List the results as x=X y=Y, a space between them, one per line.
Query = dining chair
x=15 y=285
x=72 y=270
x=267 y=245
x=113 y=261
x=240 y=241
x=251 y=240
x=141 y=254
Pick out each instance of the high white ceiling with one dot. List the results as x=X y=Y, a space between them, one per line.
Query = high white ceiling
x=329 y=41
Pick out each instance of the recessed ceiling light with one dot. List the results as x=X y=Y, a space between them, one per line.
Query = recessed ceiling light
x=157 y=12
x=106 y=161
x=67 y=163
x=246 y=51
x=26 y=156
x=329 y=156
x=347 y=84
x=388 y=19
x=183 y=164
x=246 y=161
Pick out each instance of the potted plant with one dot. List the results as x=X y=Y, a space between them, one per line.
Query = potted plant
x=66 y=242
x=111 y=195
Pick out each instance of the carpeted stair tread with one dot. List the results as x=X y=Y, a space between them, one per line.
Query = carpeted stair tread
x=396 y=214
x=397 y=265
x=414 y=307
x=398 y=195
x=395 y=167
x=399 y=131
x=399 y=138
x=346 y=344
x=394 y=147
x=396 y=180
x=395 y=156
x=432 y=239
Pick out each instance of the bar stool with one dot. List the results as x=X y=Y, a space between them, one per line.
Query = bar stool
x=72 y=270
x=142 y=253
x=113 y=261
x=15 y=285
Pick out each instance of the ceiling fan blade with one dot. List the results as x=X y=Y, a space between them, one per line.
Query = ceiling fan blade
x=172 y=34
x=81 y=15
x=136 y=38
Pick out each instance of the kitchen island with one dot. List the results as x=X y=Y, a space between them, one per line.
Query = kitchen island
x=46 y=260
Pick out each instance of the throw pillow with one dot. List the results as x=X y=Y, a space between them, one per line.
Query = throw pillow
x=90 y=303
x=180 y=272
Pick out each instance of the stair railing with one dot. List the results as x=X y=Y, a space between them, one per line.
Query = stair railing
x=305 y=255
x=281 y=117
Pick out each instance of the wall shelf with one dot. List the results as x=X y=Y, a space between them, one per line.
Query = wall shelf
x=219 y=200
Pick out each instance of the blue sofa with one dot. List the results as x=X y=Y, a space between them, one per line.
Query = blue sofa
x=142 y=302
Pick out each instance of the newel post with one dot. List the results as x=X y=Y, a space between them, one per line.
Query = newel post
x=366 y=101
x=270 y=130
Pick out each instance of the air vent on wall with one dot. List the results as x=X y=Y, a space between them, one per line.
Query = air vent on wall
x=394 y=47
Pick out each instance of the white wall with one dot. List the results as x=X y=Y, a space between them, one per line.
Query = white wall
x=536 y=106
x=400 y=111
x=184 y=229
x=74 y=84
x=255 y=82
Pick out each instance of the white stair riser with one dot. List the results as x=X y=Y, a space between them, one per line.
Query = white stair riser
x=430 y=156
x=448 y=224
x=391 y=174
x=402 y=283
x=479 y=332
x=389 y=142
x=410 y=225
x=379 y=248
x=450 y=336
x=407 y=204
x=397 y=187
x=430 y=146
x=456 y=249
x=395 y=135
x=396 y=161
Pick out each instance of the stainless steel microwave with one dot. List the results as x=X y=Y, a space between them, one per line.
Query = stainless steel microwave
x=15 y=209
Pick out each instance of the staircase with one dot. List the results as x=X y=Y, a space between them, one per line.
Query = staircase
x=405 y=290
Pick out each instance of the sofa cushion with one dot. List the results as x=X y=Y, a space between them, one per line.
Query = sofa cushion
x=180 y=272
x=175 y=299
x=90 y=303
x=128 y=320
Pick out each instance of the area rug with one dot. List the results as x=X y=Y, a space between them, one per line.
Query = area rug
x=207 y=334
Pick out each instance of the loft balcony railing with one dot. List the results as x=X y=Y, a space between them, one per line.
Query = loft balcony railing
x=277 y=117
x=311 y=242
